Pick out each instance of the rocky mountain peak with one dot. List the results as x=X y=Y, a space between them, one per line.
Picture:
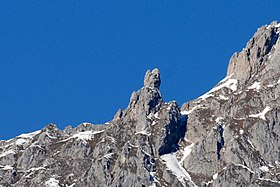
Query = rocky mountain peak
x=230 y=136
x=152 y=79
x=255 y=56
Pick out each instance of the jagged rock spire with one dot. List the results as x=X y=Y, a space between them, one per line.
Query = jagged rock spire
x=152 y=79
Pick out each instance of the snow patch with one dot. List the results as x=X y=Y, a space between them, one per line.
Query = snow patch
x=36 y=169
x=215 y=176
x=241 y=131
x=108 y=156
x=143 y=132
x=223 y=97
x=277 y=26
x=187 y=112
x=227 y=82
x=7 y=153
x=156 y=116
x=264 y=168
x=72 y=185
x=261 y=114
x=256 y=86
x=219 y=119
x=173 y=165
x=21 y=141
x=152 y=116
x=86 y=135
x=52 y=182
x=186 y=152
x=6 y=167
x=29 y=135
x=25 y=138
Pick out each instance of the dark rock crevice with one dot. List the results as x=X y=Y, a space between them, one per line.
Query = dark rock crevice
x=175 y=131
x=220 y=140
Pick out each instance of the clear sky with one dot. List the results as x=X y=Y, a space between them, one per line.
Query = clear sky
x=68 y=62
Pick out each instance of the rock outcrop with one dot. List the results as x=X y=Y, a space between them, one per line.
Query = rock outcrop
x=227 y=137
x=235 y=127
x=123 y=152
x=258 y=51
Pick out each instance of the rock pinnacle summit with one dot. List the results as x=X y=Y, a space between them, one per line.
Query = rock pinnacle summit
x=152 y=79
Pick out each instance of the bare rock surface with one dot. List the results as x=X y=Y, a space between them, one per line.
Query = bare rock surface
x=227 y=137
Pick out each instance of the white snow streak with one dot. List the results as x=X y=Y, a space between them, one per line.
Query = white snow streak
x=187 y=112
x=7 y=167
x=7 y=153
x=29 y=135
x=278 y=25
x=21 y=141
x=86 y=135
x=223 y=97
x=108 y=156
x=72 y=185
x=264 y=168
x=226 y=82
x=173 y=165
x=261 y=114
x=270 y=86
x=186 y=152
x=215 y=176
x=52 y=182
x=245 y=167
x=143 y=132
x=255 y=86
x=36 y=169
x=25 y=138
x=154 y=123
x=252 y=145
x=269 y=180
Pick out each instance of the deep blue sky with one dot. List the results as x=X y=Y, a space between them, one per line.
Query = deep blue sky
x=67 y=62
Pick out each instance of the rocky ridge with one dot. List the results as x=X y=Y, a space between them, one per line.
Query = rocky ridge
x=227 y=137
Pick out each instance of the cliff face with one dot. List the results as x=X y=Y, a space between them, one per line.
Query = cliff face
x=227 y=137
x=235 y=126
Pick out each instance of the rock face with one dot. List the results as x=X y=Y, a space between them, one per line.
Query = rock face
x=227 y=137
x=252 y=59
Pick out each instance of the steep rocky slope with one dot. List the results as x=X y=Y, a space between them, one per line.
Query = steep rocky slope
x=227 y=137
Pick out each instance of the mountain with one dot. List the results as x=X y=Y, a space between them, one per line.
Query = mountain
x=227 y=137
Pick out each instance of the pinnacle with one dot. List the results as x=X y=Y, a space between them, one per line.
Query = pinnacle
x=152 y=79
